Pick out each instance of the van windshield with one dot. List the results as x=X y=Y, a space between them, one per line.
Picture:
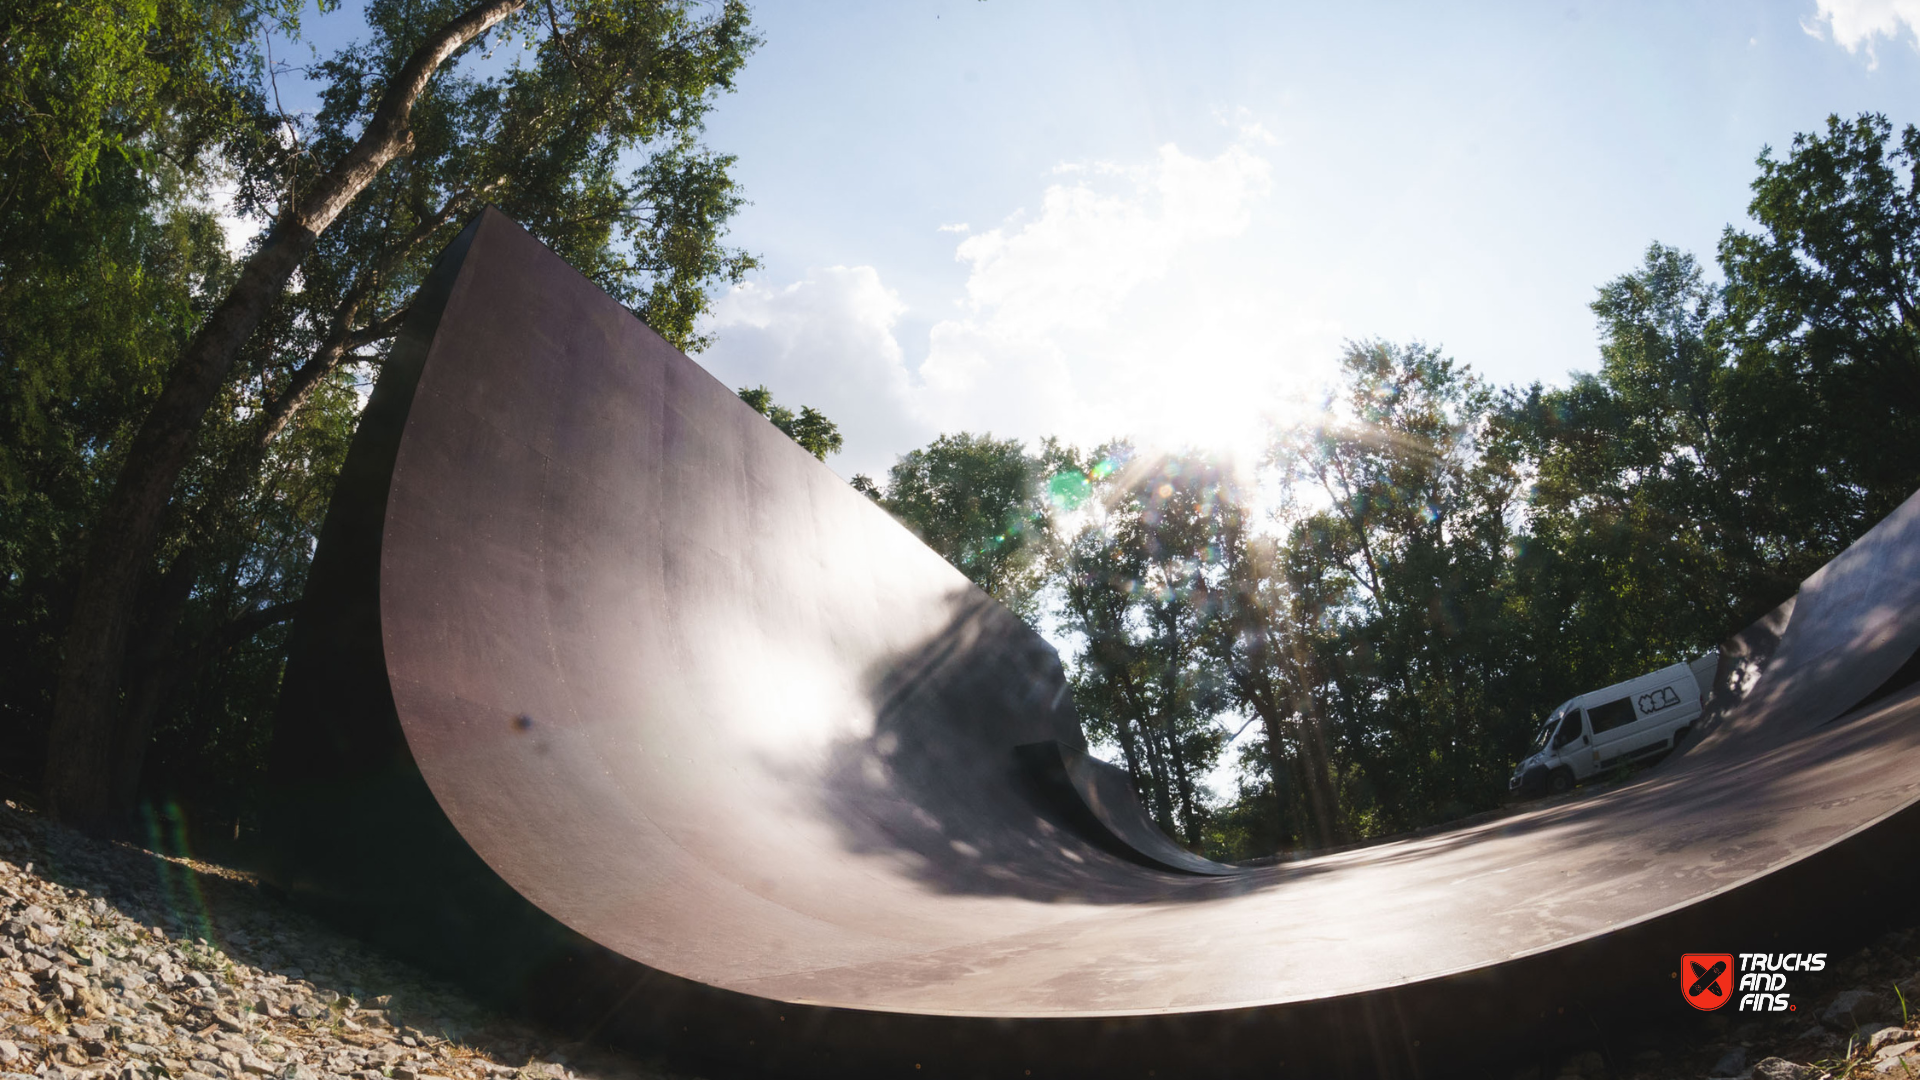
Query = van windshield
x=1546 y=729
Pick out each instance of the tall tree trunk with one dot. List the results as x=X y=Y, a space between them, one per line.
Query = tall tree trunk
x=82 y=748
x=150 y=675
x=1182 y=783
x=158 y=663
x=1157 y=768
x=1282 y=769
x=1322 y=800
x=1130 y=752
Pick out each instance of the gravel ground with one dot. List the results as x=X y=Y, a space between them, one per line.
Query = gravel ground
x=116 y=962
x=119 y=963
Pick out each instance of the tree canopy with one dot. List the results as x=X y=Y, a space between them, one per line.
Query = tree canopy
x=174 y=412
x=816 y=434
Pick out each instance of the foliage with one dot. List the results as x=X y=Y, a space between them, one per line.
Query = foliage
x=86 y=321
x=110 y=122
x=116 y=123
x=1140 y=581
x=86 y=84
x=1823 y=333
x=816 y=434
x=1408 y=558
x=981 y=503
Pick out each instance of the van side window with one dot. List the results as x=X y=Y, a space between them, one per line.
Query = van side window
x=1569 y=730
x=1611 y=715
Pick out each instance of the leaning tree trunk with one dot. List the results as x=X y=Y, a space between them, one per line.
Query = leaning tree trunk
x=82 y=750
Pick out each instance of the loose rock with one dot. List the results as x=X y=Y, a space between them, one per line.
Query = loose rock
x=1782 y=1069
x=1852 y=1008
x=128 y=964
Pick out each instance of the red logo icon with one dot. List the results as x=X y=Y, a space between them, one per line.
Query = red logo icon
x=1706 y=979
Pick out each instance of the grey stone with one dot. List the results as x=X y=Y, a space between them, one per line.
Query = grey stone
x=1782 y=1069
x=1894 y=1050
x=1852 y=1008
x=1883 y=1034
x=1906 y=1064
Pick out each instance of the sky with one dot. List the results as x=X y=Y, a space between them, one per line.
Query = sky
x=1164 y=220
x=1102 y=218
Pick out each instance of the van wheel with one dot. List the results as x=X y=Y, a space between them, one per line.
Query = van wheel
x=1560 y=781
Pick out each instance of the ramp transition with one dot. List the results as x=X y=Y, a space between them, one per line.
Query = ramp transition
x=611 y=699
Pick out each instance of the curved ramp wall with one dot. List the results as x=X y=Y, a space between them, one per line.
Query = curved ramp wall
x=611 y=698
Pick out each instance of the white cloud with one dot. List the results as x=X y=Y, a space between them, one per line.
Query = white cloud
x=1854 y=23
x=1144 y=299
x=1125 y=305
x=957 y=227
x=825 y=341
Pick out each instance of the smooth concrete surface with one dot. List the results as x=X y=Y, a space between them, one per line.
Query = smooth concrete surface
x=656 y=690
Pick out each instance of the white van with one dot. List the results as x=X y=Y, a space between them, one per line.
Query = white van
x=1626 y=722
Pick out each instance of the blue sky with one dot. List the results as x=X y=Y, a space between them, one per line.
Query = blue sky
x=1093 y=219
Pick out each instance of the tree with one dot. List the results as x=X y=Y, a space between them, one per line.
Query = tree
x=87 y=85
x=1276 y=611
x=1140 y=580
x=1823 y=326
x=403 y=149
x=1413 y=544
x=1636 y=537
x=981 y=503
x=110 y=119
x=816 y=434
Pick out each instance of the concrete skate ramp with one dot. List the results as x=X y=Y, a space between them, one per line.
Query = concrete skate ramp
x=611 y=699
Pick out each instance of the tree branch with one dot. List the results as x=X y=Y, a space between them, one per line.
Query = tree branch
x=237 y=630
x=342 y=340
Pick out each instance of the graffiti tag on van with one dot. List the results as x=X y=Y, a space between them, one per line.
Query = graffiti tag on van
x=1654 y=700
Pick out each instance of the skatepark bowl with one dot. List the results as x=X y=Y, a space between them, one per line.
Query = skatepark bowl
x=611 y=700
